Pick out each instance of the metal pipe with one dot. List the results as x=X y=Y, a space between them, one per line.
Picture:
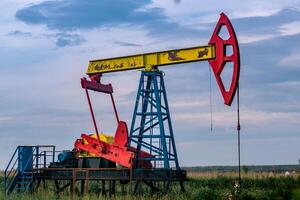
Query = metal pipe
x=238 y=131
x=114 y=106
x=92 y=113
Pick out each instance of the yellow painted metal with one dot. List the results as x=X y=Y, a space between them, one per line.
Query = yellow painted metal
x=103 y=137
x=150 y=61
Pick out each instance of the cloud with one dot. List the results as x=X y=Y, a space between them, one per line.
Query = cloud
x=77 y=14
x=65 y=39
x=68 y=15
x=292 y=60
x=288 y=84
x=19 y=33
x=244 y=39
x=6 y=118
x=249 y=117
x=127 y=44
x=260 y=151
x=290 y=28
x=40 y=117
x=196 y=10
x=278 y=24
x=275 y=53
x=73 y=15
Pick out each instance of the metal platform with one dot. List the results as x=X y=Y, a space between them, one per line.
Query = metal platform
x=67 y=177
x=43 y=169
x=109 y=174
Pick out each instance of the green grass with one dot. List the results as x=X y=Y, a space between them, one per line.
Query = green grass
x=198 y=188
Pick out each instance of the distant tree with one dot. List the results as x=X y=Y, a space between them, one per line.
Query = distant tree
x=245 y=169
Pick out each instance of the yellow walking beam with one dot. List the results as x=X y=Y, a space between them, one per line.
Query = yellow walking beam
x=150 y=61
x=217 y=53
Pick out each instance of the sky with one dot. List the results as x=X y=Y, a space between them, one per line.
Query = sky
x=46 y=46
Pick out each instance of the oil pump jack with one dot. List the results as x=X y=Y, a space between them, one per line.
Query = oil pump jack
x=150 y=142
x=146 y=153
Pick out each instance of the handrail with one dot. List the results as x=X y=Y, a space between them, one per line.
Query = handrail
x=12 y=168
x=12 y=158
x=6 y=175
x=8 y=182
x=11 y=181
x=12 y=171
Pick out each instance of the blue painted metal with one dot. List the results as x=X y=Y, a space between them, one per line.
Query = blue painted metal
x=65 y=155
x=151 y=127
x=9 y=170
x=18 y=174
x=25 y=158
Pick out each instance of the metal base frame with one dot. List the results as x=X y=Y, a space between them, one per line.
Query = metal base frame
x=129 y=180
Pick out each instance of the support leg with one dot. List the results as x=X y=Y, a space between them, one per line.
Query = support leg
x=87 y=185
x=44 y=184
x=110 y=188
x=122 y=189
x=82 y=186
x=152 y=186
x=73 y=183
x=56 y=183
x=181 y=186
x=103 y=187
x=37 y=185
x=136 y=186
x=114 y=187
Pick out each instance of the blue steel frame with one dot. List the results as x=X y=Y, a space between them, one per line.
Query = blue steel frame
x=19 y=171
x=151 y=126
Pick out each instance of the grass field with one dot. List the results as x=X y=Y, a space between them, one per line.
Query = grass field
x=206 y=186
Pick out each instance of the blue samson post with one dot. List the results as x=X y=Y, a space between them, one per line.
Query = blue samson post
x=151 y=128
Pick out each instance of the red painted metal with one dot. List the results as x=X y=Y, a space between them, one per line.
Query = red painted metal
x=92 y=113
x=96 y=85
x=143 y=163
x=121 y=136
x=114 y=106
x=118 y=151
x=221 y=58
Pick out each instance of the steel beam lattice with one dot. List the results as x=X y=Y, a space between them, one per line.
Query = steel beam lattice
x=151 y=127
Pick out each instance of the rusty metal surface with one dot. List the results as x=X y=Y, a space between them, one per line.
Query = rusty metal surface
x=109 y=174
